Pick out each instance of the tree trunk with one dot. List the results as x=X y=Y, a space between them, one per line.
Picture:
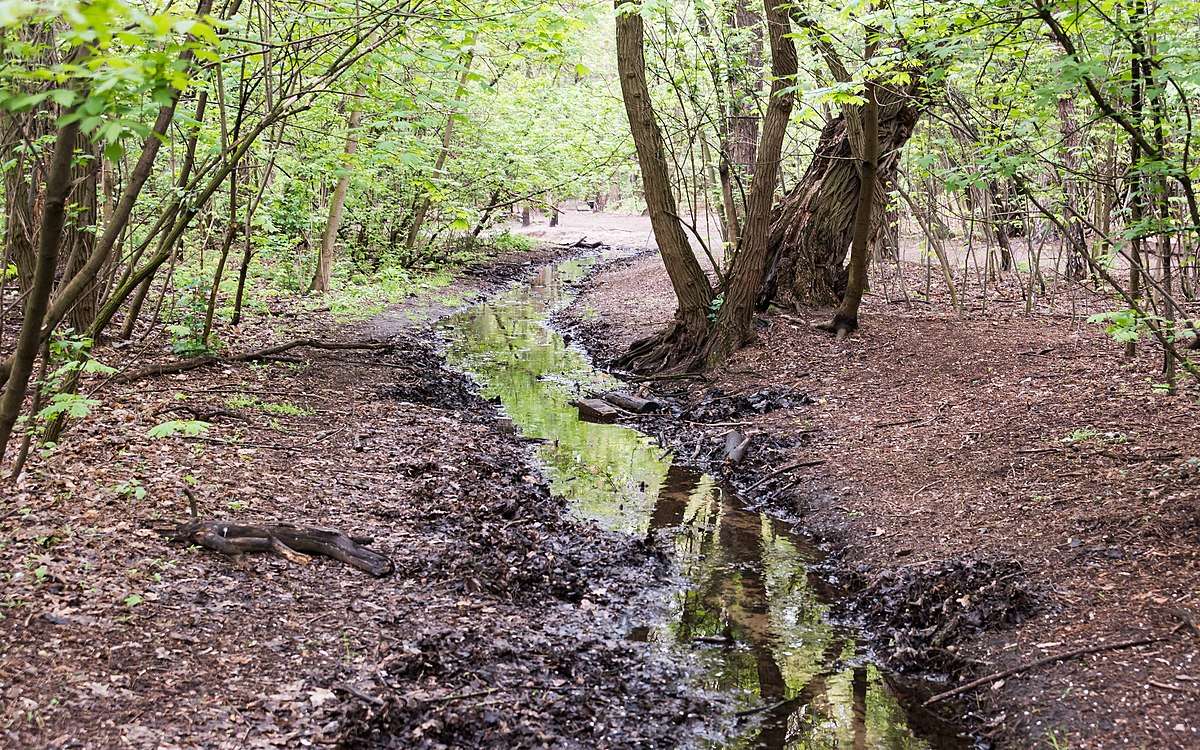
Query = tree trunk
x=29 y=340
x=682 y=338
x=812 y=227
x=1072 y=191
x=439 y=163
x=745 y=82
x=79 y=240
x=845 y=320
x=324 y=273
x=735 y=321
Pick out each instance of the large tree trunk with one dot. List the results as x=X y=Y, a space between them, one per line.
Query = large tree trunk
x=679 y=342
x=735 y=321
x=813 y=225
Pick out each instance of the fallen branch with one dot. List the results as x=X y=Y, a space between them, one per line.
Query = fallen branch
x=284 y=539
x=170 y=368
x=782 y=469
x=1073 y=654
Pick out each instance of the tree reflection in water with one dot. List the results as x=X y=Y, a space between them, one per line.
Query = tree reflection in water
x=750 y=607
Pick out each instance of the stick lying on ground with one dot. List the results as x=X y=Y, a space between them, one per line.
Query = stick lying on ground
x=285 y=540
x=1072 y=654
x=196 y=363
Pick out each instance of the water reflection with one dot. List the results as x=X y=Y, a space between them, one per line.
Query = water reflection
x=751 y=608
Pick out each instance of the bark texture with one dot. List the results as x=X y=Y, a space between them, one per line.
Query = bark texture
x=679 y=342
x=735 y=321
x=812 y=227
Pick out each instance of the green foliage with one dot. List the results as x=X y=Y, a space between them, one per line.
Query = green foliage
x=182 y=427
x=507 y=242
x=1122 y=325
x=71 y=405
x=282 y=409
x=131 y=489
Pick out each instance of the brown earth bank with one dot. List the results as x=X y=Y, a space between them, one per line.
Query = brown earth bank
x=1001 y=487
x=502 y=625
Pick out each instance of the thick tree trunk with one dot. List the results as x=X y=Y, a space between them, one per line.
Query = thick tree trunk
x=679 y=342
x=813 y=225
x=735 y=321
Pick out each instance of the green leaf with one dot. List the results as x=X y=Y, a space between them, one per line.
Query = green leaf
x=184 y=427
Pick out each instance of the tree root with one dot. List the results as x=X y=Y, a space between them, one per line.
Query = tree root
x=840 y=326
x=285 y=540
x=672 y=350
x=269 y=352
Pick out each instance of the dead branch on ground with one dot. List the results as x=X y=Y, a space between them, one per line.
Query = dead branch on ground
x=170 y=368
x=284 y=539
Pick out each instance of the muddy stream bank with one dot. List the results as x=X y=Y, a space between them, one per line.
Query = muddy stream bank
x=751 y=608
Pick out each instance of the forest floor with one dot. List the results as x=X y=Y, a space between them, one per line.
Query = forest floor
x=500 y=626
x=944 y=448
x=951 y=448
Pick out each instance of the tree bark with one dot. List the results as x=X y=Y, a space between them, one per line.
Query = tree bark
x=735 y=320
x=812 y=227
x=683 y=337
x=58 y=184
x=845 y=320
x=337 y=204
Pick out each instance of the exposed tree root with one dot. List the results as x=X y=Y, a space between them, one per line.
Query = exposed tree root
x=285 y=540
x=670 y=351
x=840 y=326
x=270 y=352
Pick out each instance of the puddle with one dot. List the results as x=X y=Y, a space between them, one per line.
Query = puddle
x=750 y=610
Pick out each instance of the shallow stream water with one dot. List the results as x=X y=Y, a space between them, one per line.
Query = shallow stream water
x=750 y=609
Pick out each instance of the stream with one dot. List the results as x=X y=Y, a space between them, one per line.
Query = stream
x=750 y=610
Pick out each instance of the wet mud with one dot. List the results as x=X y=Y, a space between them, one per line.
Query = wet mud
x=749 y=608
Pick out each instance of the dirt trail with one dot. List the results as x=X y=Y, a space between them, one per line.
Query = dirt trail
x=499 y=628
x=944 y=454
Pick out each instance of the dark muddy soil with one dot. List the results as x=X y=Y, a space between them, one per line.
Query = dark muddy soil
x=501 y=627
x=1001 y=487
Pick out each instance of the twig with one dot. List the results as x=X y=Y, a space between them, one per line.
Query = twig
x=1073 y=654
x=192 y=503
x=196 y=363
x=782 y=469
x=762 y=709
x=459 y=697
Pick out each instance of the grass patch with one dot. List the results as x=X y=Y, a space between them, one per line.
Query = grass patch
x=279 y=409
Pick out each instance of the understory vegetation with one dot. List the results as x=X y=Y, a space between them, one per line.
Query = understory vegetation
x=923 y=273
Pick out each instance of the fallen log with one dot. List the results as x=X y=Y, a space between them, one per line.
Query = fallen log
x=595 y=410
x=195 y=363
x=630 y=402
x=285 y=540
